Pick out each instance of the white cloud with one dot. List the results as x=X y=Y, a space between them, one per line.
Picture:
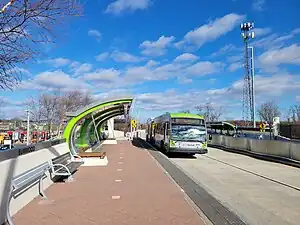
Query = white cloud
x=57 y=62
x=95 y=33
x=102 y=75
x=82 y=68
x=204 y=68
x=156 y=48
x=52 y=80
x=298 y=98
x=226 y=49
x=186 y=57
x=119 y=6
x=124 y=57
x=261 y=31
x=153 y=71
x=210 y=32
x=103 y=56
x=275 y=41
x=258 y=5
x=118 y=57
x=152 y=63
x=235 y=66
x=275 y=57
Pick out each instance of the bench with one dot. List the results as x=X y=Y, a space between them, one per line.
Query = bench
x=24 y=181
x=65 y=165
x=101 y=155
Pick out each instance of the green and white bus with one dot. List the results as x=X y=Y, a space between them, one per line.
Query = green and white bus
x=178 y=132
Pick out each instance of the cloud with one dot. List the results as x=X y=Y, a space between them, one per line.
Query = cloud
x=95 y=33
x=235 y=66
x=226 y=49
x=102 y=75
x=261 y=31
x=274 y=41
x=152 y=71
x=118 y=57
x=124 y=57
x=156 y=48
x=53 y=80
x=275 y=57
x=194 y=39
x=120 y=6
x=57 y=62
x=204 y=68
x=82 y=68
x=266 y=87
x=152 y=63
x=186 y=57
x=258 y=5
x=298 y=98
x=103 y=56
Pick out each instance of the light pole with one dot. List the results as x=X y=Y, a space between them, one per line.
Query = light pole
x=252 y=86
x=27 y=141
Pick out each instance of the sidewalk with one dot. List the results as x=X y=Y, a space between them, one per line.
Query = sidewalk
x=132 y=189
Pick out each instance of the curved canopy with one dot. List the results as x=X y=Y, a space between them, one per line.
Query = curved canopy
x=100 y=110
x=220 y=125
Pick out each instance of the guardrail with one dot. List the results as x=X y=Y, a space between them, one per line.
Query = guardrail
x=20 y=159
x=271 y=148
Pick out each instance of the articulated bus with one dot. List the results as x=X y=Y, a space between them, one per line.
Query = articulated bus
x=178 y=132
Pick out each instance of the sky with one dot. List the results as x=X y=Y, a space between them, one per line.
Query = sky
x=171 y=55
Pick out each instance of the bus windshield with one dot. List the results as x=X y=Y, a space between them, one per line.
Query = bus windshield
x=188 y=133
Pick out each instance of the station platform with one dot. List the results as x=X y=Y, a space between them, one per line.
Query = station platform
x=131 y=189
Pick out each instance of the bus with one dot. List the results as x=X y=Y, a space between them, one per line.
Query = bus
x=178 y=132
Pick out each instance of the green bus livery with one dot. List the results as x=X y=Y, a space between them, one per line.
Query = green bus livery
x=178 y=132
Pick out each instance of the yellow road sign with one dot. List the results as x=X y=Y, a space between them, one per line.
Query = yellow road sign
x=133 y=123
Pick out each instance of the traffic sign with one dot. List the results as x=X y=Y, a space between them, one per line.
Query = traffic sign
x=133 y=123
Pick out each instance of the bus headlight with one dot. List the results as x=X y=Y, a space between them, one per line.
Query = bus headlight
x=172 y=143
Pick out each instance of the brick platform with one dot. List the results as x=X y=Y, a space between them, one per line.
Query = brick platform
x=131 y=189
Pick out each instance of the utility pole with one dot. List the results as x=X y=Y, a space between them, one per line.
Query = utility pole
x=248 y=91
x=27 y=141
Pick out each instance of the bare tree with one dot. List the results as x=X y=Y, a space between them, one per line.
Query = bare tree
x=34 y=105
x=69 y=102
x=267 y=111
x=49 y=109
x=23 y=25
x=294 y=112
x=210 y=112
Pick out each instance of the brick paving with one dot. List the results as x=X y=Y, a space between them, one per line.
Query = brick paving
x=131 y=189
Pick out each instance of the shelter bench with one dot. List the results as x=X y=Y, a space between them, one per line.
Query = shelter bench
x=24 y=181
x=64 y=166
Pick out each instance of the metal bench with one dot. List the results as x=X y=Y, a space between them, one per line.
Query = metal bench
x=24 y=181
x=65 y=165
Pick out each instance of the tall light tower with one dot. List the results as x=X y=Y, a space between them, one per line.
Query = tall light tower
x=248 y=92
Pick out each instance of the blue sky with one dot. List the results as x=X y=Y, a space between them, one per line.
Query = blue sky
x=171 y=55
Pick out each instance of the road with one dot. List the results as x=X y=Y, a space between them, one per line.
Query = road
x=259 y=192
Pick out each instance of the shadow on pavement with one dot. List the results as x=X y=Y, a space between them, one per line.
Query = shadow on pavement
x=140 y=143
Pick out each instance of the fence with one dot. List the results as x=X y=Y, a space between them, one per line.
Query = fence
x=290 y=130
x=289 y=150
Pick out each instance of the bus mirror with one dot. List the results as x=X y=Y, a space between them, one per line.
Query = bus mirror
x=210 y=137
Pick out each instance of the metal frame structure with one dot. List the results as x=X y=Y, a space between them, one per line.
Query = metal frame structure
x=248 y=90
x=94 y=110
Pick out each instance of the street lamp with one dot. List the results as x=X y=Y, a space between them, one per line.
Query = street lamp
x=28 y=130
x=27 y=141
